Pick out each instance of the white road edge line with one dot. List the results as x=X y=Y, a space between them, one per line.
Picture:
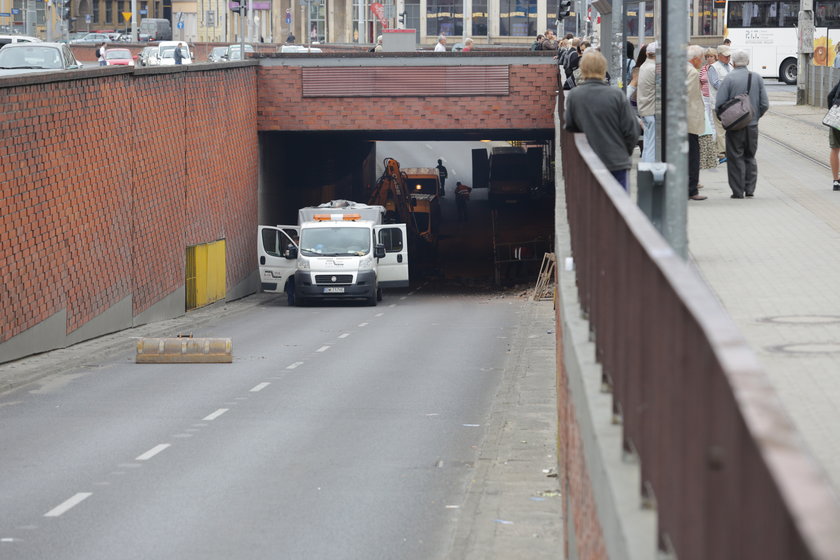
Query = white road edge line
x=152 y=452
x=294 y=365
x=215 y=415
x=323 y=349
x=68 y=504
x=260 y=386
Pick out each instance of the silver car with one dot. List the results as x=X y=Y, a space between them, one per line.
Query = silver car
x=24 y=58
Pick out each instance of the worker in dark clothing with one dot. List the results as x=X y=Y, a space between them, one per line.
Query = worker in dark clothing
x=443 y=175
x=462 y=196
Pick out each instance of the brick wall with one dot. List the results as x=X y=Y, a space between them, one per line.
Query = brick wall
x=579 y=504
x=105 y=181
x=529 y=105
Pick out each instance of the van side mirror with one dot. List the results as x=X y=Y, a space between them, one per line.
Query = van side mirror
x=292 y=252
x=379 y=251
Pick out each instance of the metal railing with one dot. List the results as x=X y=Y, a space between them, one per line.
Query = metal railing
x=721 y=462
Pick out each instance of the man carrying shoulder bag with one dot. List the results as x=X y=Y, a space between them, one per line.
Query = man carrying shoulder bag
x=742 y=143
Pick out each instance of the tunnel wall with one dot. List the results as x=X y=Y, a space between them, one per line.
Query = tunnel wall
x=528 y=104
x=105 y=179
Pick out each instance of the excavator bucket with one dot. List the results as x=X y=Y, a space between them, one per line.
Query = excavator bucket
x=184 y=350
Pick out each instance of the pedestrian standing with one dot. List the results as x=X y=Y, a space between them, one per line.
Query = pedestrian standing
x=100 y=55
x=441 y=44
x=834 y=138
x=708 y=149
x=646 y=102
x=462 y=196
x=468 y=45
x=443 y=175
x=695 y=118
x=604 y=115
x=741 y=145
x=716 y=73
x=179 y=55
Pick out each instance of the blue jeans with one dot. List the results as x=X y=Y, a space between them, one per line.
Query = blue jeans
x=621 y=176
x=649 y=139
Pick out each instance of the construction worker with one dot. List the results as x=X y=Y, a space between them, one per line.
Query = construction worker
x=462 y=195
x=443 y=175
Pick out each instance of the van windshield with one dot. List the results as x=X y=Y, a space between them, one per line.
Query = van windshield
x=335 y=242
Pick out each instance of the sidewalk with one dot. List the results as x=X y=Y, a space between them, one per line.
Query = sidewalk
x=773 y=262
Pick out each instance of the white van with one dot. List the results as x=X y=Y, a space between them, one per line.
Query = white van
x=166 y=53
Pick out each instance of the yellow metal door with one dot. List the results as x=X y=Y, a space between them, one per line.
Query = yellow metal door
x=206 y=270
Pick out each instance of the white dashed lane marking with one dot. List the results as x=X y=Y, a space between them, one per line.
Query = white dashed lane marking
x=152 y=452
x=362 y=324
x=344 y=335
x=215 y=415
x=294 y=365
x=323 y=349
x=260 y=387
x=68 y=504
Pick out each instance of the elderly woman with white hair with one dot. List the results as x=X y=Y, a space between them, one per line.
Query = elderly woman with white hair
x=741 y=145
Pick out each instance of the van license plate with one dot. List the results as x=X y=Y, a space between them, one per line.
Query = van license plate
x=334 y=290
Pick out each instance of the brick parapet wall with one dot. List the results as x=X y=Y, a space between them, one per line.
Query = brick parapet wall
x=104 y=182
x=529 y=105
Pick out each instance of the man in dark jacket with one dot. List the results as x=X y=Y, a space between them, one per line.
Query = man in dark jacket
x=742 y=144
x=604 y=115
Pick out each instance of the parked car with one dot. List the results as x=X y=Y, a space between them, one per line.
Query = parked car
x=298 y=49
x=166 y=54
x=216 y=54
x=93 y=38
x=234 y=51
x=147 y=57
x=24 y=58
x=118 y=57
x=8 y=39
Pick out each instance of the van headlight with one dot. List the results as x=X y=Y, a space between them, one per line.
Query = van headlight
x=302 y=264
x=366 y=263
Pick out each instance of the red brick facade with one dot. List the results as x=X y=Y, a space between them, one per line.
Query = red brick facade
x=530 y=105
x=104 y=182
x=579 y=504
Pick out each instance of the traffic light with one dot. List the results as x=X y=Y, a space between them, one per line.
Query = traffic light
x=65 y=9
x=402 y=18
x=564 y=9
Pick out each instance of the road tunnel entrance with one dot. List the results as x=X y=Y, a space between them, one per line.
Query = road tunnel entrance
x=494 y=243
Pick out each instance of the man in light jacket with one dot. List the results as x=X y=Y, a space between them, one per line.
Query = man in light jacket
x=646 y=102
x=742 y=144
x=717 y=72
x=695 y=118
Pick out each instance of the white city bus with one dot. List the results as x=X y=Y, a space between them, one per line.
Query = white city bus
x=767 y=30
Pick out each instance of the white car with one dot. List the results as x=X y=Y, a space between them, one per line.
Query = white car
x=298 y=49
x=166 y=53
x=9 y=39
x=25 y=58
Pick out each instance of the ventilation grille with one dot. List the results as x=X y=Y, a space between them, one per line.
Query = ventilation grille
x=415 y=81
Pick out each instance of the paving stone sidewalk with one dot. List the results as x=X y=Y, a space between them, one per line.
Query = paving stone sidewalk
x=773 y=262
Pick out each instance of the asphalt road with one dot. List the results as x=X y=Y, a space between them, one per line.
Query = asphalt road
x=339 y=431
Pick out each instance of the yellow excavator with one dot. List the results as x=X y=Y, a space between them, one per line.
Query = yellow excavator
x=410 y=196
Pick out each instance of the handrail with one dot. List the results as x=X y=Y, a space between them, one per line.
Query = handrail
x=720 y=458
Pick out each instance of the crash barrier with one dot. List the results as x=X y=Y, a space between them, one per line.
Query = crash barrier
x=184 y=350
x=720 y=460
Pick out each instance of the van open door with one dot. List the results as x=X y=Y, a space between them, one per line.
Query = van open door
x=276 y=266
x=392 y=270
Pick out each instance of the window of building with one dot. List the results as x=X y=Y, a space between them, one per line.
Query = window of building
x=479 y=18
x=445 y=17
x=317 y=22
x=95 y=15
x=518 y=18
x=109 y=11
